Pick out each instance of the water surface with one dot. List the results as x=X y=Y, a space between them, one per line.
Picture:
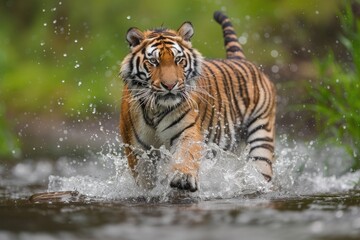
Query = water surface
x=312 y=197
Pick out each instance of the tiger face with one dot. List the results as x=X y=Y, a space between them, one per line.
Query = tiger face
x=162 y=67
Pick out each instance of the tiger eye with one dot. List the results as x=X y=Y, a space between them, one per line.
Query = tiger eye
x=153 y=61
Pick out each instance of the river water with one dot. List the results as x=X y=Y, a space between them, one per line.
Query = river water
x=312 y=196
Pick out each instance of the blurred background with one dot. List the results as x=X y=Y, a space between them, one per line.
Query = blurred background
x=59 y=62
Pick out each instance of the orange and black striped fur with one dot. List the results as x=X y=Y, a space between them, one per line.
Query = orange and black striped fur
x=173 y=97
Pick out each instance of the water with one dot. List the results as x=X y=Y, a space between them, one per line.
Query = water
x=313 y=196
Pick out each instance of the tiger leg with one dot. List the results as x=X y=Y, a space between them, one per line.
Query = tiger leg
x=141 y=165
x=261 y=139
x=143 y=168
x=187 y=153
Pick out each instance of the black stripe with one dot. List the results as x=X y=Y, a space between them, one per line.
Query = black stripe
x=147 y=120
x=259 y=81
x=153 y=51
x=179 y=133
x=251 y=122
x=267 y=104
x=220 y=102
x=234 y=98
x=205 y=112
x=226 y=24
x=233 y=49
x=164 y=114
x=264 y=159
x=227 y=135
x=216 y=84
x=226 y=85
x=256 y=93
x=169 y=43
x=265 y=139
x=177 y=120
x=144 y=145
x=260 y=127
x=228 y=32
x=209 y=128
x=243 y=90
x=228 y=40
x=207 y=104
x=265 y=145
x=219 y=16
x=137 y=65
x=156 y=44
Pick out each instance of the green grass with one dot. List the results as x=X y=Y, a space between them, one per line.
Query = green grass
x=336 y=93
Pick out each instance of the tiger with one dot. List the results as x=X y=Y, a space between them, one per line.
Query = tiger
x=173 y=97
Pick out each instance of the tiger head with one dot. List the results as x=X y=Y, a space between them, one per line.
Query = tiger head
x=162 y=67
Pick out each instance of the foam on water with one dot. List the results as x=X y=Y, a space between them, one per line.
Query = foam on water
x=300 y=169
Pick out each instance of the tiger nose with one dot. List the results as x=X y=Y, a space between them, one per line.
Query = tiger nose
x=169 y=86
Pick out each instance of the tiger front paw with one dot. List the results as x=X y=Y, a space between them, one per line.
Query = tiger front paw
x=184 y=181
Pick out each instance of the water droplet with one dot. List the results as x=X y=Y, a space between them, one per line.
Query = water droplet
x=45 y=24
x=65 y=55
x=274 y=53
x=128 y=17
x=54 y=22
x=75 y=41
x=275 y=69
x=77 y=65
x=79 y=84
x=81 y=48
x=42 y=44
x=243 y=40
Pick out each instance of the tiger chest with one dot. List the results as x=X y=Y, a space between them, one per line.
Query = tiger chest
x=162 y=128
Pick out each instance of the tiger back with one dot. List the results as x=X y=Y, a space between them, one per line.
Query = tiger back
x=173 y=97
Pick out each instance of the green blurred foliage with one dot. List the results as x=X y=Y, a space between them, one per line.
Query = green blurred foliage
x=62 y=57
x=8 y=143
x=335 y=97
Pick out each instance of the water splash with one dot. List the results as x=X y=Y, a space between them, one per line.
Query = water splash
x=300 y=169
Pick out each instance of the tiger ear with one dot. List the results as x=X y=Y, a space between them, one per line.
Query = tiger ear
x=186 y=31
x=134 y=37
